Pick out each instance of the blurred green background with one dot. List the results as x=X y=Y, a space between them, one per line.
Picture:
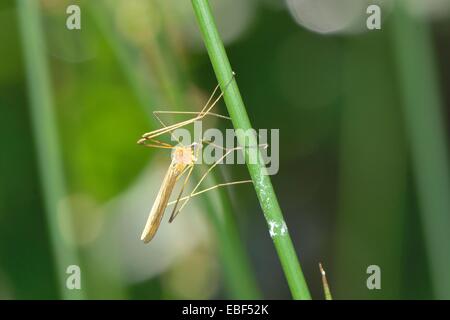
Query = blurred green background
x=363 y=119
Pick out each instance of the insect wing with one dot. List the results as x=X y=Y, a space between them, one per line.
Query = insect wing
x=160 y=204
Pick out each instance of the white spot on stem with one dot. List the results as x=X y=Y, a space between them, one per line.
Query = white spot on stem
x=272 y=228
x=284 y=229
x=277 y=228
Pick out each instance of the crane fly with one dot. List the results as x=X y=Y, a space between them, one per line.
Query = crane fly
x=182 y=162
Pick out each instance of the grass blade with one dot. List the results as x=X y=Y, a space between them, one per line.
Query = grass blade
x=422 y=107
x=261 y=180
x=47 y=144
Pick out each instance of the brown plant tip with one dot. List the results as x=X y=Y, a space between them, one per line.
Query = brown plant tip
x=322 y=271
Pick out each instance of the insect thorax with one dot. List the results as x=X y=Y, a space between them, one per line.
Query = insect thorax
x=183 y=155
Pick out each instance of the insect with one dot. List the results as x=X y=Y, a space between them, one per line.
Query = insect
x=182 y=163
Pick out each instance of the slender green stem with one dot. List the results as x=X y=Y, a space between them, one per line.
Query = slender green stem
x=258 y=172
x=425 y=129
x=47 y=144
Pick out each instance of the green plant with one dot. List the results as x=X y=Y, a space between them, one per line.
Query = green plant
x=258 y=173
x=47 y=144
x=422 y=105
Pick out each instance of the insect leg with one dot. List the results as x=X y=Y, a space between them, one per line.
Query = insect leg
x=172 y=215
x=220 y=185
x=203 y=177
